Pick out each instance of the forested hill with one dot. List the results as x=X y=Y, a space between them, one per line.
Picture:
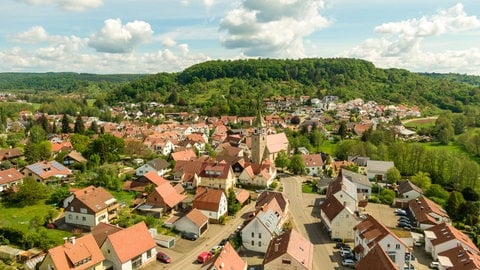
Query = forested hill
x=63 y=81
x=230 y=86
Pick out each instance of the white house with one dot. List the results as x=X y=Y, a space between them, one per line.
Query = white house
x=408 y=190
x=130 y=248
x=313 y=164
x=158 y=165
x=377 y=169
x=211 y=202
x=338 y=219
x=261 y=229
x=345 y=191
x=195 y=222
x=364 y=186
x=370 y=232
x=442 y=237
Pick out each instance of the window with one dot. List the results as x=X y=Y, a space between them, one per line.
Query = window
x=84 y=219
x=149 y=253
x=286 y=261
x=397 y=246
x=259 y=235
x=69 y=216
x=253 y=234
x=259 y=243
x=253 y=243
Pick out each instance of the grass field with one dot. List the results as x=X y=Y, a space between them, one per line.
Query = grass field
x=20 y=218
x=328 y=147
x=420 y=123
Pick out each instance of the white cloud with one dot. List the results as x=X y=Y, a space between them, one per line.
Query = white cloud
x=117 y=38
x=33 y=35
x=272 y=27
x=402 y=44
x=168 y=42
x=206 y=3
x=79 y=5
x=69 y=5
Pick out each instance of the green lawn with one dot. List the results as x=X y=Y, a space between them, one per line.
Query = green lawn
x=328 y=147
x=309 y=188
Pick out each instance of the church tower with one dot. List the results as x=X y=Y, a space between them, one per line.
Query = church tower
x=259 y=138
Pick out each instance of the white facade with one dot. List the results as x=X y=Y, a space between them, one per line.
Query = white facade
x=256 y=237
x=347 y=197
x=392 y=246
x=83 y=218
x=134 y=263
x=222 y=209
x=341 y=226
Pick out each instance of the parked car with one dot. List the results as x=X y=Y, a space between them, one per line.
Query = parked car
x=401 y=211
x=223 y=242
x=346 y=252
x=434 y=265
x=402 y=214
x=403 y=218
x=163 y=257
x=341 y=244
x=190 y=236
x=409 y=256
x=348 y=262
x=403 y=223
x=204 y=256
x=345 y=247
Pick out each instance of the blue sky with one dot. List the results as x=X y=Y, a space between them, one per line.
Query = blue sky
x=150 y=36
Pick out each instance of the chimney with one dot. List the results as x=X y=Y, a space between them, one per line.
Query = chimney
x=72 y=240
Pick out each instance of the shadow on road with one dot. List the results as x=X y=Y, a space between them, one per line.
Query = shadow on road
x=315 y=234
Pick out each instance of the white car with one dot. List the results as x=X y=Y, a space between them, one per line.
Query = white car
x=348 y=262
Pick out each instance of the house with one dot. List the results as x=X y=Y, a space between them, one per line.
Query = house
x=364 y=186
x=377 y=169
x=10 y=178
x=158 y=165
x=370 y=233
x=45 y=171
x=338 y=219
x=262 y=227
x=187 y=154
x=261 y=175
x=443 y=237
x=313 y=164
x=361 y=162
x=227 y=258
x=345 y=191
x=187 y=171
x=427 y=213
x=72 y=158
x=216 y=175
x=211 y=202
x=102 y=230
x=10 y=153
x=289 y=250
x=267 y=197
x=195 y=222
x=376 y=259
x=408 y=190
x=130 y=248
x=90 y=206
x=141 y=183
x=458 y=258
x=162 y=199
x=81 y=253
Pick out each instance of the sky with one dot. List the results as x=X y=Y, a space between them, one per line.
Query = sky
x=151 y=36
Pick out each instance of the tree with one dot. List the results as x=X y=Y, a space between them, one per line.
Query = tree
x=29 y=193
x=421 y=180
x=454 y=203
x=79 y=127
x=342 y=130
x=233 y=205
x=107 y=146
x=296 y=164
x=36 y=134
x=79 y=142
x=58 y=195
x=393 y=175
x=437 y=191
x=387 y=196
x=282 y=160
x=470 y=212
x=469 y=194
x=65 y=124
x=94 y=127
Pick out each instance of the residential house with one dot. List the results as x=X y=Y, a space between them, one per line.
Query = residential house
x=227 y=258
x=158 y=165
x=377 y=169
x=75 y=253
x=361 y=162
x=46 y=171
x=187 y=171
x=266 y=197
x=458 y=258
x=371 y=232
x=443 y=237
x=427 y=213
x=73 y=158
x=61 y=146
x=261 y=175
x=88 y=207
x=141 y=183
x=187 y=154
x=130 y=248
x=216 y=175
x=338 y=219
x=195 y=222
x=211 y=202
x=162 y=199
x=10 y=154
x=345 y=191
x=289 y=250
x=10 y=178
x=376 y=259
x=364 y=186
x=262 y=227
x=313 y=164
x=102 y=231
x=408 y=190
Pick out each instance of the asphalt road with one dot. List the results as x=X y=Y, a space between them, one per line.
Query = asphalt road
x=305 y=215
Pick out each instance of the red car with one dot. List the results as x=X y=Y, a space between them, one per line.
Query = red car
x=163 y=257
x=204 y=256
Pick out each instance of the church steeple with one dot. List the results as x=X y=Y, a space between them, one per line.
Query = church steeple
x=259 y=137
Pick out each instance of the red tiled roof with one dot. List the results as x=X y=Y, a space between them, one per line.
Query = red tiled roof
x=187 y=154
x=461 y=259
x=227 y=258
x=95 y=199
x=445 y=232
x=10 y=175
x=102 y=230
x=314 y=160
x=207 y=198
x=293 y=244
x=74 y=252
x=331 y=207
x=422 y=209
x=166 y=194
x=376 y=259
x=131 y=242
x=197 y=217
x=242 y=195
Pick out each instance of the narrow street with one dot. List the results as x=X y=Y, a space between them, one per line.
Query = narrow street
x=306 y=220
